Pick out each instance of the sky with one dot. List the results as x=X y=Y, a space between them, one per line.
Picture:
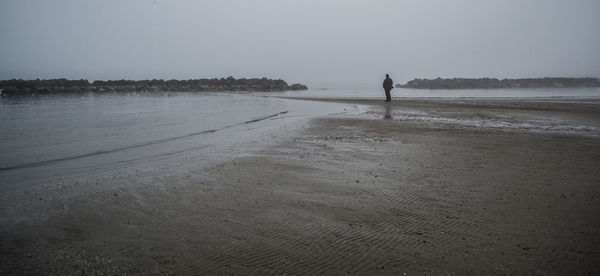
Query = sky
x=321 y=43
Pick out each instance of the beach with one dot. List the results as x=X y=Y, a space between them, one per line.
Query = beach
x=417 y=186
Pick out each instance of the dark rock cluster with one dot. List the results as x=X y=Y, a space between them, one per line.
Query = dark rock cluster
x=482 y=83
x=27 y=87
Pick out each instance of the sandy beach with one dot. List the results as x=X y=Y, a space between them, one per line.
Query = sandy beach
x=418 y=186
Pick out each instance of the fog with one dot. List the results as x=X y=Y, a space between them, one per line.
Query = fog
x=316 y=42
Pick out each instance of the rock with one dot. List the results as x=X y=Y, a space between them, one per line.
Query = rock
x=297 y=86
x=483 y=83
x=12 y=87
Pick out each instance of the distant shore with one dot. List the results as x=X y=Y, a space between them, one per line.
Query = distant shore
x=56 y=86
x=486 y=83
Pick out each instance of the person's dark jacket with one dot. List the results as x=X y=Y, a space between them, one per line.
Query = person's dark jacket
x=388 y=84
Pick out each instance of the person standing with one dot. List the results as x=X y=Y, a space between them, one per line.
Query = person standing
x=388 y=84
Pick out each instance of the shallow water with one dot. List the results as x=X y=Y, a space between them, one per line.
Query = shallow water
x=377 y=92
x=49 y=143
x=42 y=136
x=45 y=136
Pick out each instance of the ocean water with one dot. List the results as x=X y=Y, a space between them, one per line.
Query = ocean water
x=377 y=92
x=57 y=135
x=61 y=147
x=43 y=137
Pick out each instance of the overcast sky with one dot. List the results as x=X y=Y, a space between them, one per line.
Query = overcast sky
x=317 y=42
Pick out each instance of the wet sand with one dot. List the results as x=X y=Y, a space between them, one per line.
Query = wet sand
x=417 y=186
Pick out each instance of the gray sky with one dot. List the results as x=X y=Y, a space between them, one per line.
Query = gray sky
x=317 y=42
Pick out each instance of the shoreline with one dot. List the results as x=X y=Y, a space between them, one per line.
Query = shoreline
x=357 y=194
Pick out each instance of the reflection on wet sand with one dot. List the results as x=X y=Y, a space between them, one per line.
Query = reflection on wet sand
x=388 y=111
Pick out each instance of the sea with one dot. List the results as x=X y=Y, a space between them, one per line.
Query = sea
x=48 y=135
x=58 y=139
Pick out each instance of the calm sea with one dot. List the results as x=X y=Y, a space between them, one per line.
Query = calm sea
x=55 y=149
x=49 y=136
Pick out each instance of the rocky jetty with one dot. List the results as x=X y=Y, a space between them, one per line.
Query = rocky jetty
x=484 y=83
x=27 y=87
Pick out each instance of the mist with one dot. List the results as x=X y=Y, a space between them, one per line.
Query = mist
x=318 y=43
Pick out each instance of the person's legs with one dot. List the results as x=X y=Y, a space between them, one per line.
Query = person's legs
x=388 y=97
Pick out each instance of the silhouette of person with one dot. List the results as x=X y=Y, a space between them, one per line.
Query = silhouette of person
x=388 y=84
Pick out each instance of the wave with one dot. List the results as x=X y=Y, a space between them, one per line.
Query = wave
x=153 y=142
